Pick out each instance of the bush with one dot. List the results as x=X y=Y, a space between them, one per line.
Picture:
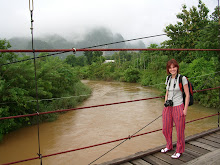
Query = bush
x=55 y=79
x=132 y=75
x=200 y=73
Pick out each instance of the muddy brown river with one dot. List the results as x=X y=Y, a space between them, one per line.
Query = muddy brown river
x=81 y=128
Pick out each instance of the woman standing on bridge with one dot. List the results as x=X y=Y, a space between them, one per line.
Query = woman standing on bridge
x=174 y=109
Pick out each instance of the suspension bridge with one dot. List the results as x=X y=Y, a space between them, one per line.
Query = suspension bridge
x=197 y=146
x=202 y=145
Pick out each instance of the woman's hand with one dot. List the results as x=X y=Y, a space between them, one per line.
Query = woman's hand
x=184 y=112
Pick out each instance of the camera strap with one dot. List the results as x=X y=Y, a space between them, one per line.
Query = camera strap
x=174 y=85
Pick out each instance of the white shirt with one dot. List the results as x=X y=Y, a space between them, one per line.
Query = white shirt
x=176 y=94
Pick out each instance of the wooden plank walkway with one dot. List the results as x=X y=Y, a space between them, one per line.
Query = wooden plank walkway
x=197 y=147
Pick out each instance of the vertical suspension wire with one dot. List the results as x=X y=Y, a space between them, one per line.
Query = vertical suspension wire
x=31 y=8
x=218 y=118
x=218 y=55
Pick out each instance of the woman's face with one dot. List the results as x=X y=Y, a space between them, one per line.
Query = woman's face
x=173 y=69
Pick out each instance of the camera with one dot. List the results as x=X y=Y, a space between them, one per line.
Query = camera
x=168 y=103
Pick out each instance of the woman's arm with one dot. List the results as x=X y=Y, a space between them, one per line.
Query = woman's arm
x=166 y=96
x=186 y=90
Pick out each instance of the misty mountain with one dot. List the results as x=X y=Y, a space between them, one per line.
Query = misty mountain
x=93 y=37
x=57 y=41
x=39 y=44
x=96 y=37
x=19 y=43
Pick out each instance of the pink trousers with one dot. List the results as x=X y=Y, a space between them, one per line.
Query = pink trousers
x=174 y=114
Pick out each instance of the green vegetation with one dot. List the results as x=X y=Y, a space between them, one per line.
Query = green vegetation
x=55 y=79
x=195 y=29
x=59 y=78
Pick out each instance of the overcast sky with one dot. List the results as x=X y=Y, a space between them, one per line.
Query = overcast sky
x=131 y=18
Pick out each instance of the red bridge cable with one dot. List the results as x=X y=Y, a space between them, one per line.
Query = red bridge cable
x=113 y=141
x=60 y=51
x=72 y=109
x=94 y=106
x=83 y=50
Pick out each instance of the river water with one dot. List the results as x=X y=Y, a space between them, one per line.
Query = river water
x=81 y=128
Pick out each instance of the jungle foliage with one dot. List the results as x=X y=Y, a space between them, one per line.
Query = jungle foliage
x=55 y=80
x=195 y=29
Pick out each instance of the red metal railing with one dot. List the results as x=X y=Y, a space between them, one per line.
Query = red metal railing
x=94 y=106
x=82 y=50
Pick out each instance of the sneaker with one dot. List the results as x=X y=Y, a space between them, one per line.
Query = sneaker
x=176 y=155
x=164 y=150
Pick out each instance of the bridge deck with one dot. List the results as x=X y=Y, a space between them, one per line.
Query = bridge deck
x=200 y=149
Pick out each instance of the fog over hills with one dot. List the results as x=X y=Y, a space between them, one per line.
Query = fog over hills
x=93 y=37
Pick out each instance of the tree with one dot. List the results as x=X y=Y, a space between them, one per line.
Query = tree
x=149 y=56
x=132 y=75
x=89 y=56
x=201 y=66
x=55 y=79
x=76 y=61
x=208 y=39
x=93 y=56
x=81 y=61
x=185 y=33
x=6 y=57
x=97 y=57
x=71 y=60
x=214 y=17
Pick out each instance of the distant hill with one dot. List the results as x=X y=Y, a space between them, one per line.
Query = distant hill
x=19 y=43
x=93 y=37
